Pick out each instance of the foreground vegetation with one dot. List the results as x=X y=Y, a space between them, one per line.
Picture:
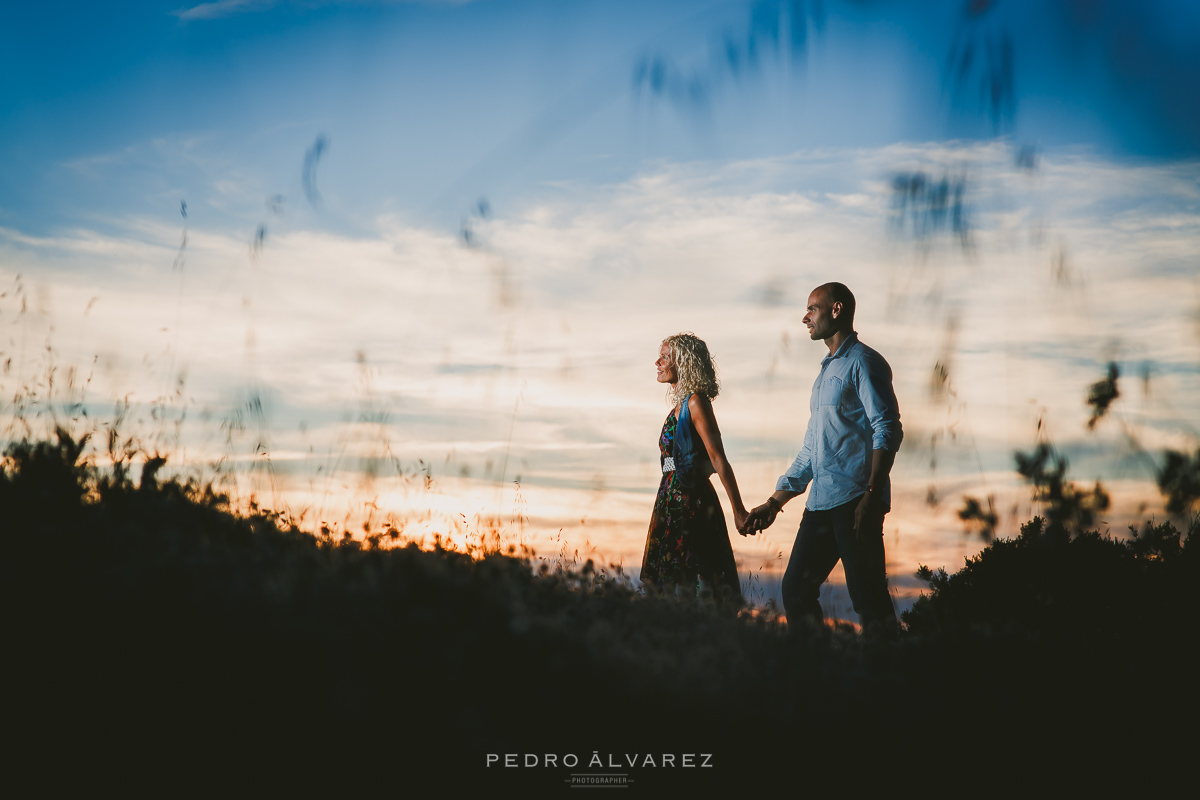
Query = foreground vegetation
x=151 y=635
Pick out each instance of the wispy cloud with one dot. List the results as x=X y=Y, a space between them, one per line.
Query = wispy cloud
x=224 y=8
x=229 y=8
x=530 y=352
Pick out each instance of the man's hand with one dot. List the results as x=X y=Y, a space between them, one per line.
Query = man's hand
x=864 y=507
x=759 y=519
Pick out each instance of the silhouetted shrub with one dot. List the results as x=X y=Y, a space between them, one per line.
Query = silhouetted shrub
x=1048 y=582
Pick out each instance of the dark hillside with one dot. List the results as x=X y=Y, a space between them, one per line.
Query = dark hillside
x=151 y=635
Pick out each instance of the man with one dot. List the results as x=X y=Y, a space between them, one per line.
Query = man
x=852 y=437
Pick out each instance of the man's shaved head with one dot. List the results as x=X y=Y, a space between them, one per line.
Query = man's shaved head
x=840 y=293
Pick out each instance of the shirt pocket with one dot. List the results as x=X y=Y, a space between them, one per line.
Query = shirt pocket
x=830 y=393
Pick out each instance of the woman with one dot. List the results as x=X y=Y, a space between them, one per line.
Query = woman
x=687 y=547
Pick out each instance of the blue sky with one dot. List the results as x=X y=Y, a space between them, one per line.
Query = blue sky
x=336 y=296
x=428 y=105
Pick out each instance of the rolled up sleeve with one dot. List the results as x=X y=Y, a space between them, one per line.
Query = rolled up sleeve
x=800 y=473
x=879 y=402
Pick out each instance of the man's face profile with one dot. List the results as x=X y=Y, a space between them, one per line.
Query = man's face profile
x=820 y=316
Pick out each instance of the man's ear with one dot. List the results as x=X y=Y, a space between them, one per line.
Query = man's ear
x=835 y=310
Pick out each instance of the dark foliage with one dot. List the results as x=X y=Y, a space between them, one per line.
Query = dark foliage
x=1179 y=480
x=925 y=206
x=1102 y=393
x=1086 y=586
x=973 y=513
x=775 y=31
x=980 y=67
x=1074 y=639
x=308 y=174
x=150 y=635
x=1067 y=507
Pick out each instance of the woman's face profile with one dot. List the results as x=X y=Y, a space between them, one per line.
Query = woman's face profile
x=666 y=365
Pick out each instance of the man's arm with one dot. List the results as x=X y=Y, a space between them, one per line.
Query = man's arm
x=790 y=484
x=878 y=399
x=883 y=412
x=797 y=477
x=763 y=516
x=881 y=465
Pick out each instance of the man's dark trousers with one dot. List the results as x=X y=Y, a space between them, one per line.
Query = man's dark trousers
x=823 y=538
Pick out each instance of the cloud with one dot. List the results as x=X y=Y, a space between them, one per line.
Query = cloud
x=224 y=8
x=228 y=8
x=531 y=353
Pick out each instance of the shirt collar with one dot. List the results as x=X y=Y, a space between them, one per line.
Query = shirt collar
x=844 y=350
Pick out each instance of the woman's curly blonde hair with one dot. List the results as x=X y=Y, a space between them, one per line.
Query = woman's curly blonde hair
x=693 y=366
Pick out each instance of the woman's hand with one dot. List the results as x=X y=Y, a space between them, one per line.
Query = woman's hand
x=739 y=519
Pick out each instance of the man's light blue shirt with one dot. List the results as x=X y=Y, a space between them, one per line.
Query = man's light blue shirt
x=853 y=411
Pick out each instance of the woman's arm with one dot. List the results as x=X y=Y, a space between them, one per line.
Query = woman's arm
x=706 y=425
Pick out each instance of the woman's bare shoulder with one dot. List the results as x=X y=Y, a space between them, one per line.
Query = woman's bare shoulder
x=699 y=404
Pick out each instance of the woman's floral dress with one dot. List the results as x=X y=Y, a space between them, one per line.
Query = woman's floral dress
x=687 y=539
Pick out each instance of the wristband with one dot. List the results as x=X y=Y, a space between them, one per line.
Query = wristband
x=775 y=504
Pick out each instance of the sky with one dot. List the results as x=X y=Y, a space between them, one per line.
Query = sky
x=409 y=262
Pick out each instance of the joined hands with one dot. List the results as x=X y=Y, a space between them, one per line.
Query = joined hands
x=760 y=518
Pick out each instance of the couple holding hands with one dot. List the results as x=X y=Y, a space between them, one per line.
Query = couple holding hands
x=851 y=441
